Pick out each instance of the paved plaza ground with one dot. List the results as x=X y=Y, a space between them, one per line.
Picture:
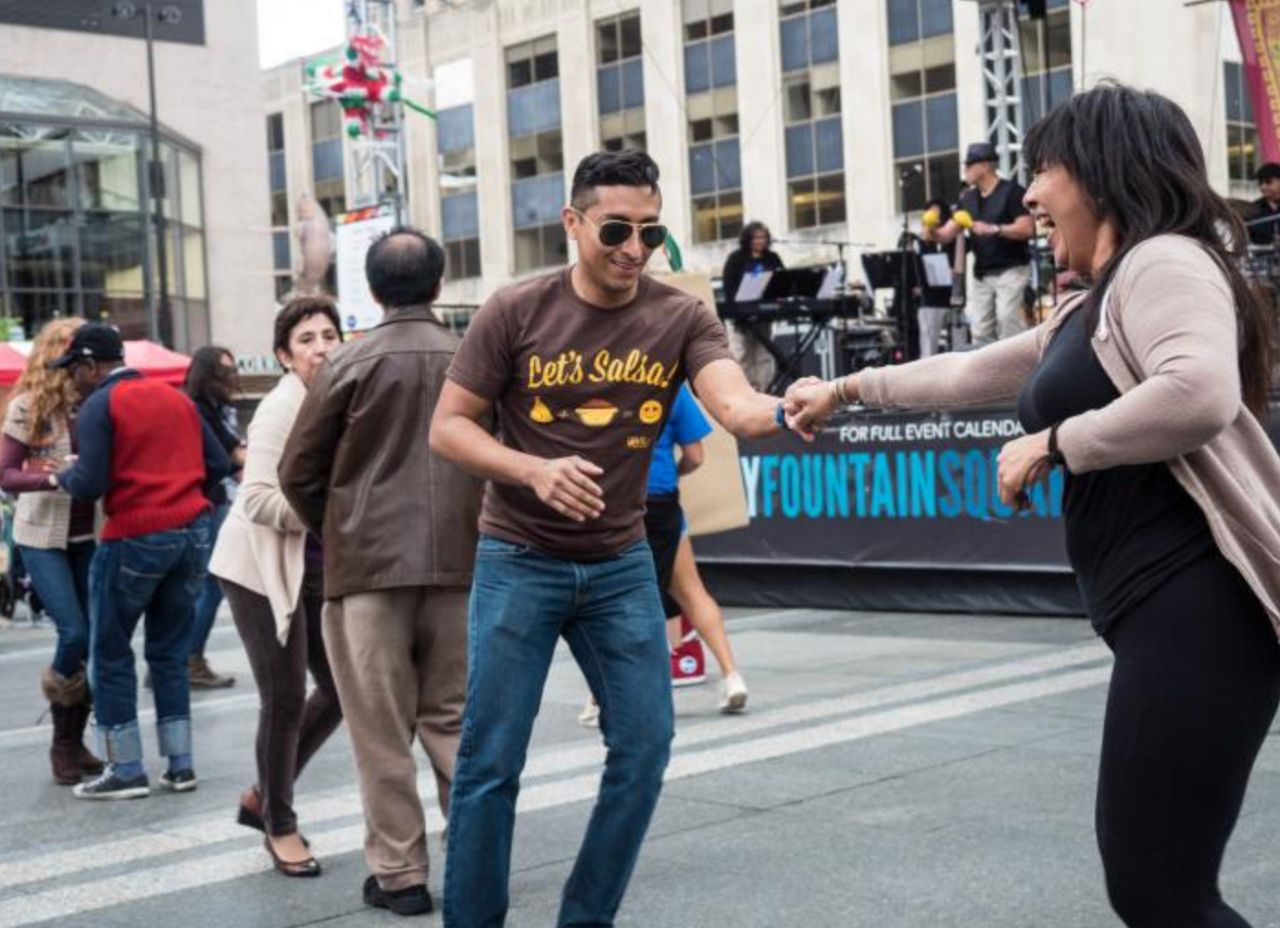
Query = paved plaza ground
x=894 y=771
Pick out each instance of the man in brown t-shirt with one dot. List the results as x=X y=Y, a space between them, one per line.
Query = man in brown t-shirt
x=582 y=365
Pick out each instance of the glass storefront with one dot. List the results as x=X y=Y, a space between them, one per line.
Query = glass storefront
x=77 y=216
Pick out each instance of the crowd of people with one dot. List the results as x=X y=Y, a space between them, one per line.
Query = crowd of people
x=415 y=520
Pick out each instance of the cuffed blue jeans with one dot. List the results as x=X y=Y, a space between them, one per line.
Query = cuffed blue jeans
x=159 y=576
x=609 y=612
x=210 y=596
x=60 y=577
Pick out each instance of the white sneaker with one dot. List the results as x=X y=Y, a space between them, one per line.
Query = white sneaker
x=589 y=717
x=733 y=694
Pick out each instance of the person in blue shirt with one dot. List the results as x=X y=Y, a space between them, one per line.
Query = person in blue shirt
x=683 y=592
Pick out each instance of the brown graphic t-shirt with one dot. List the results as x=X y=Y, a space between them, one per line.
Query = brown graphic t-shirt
x=571 y=378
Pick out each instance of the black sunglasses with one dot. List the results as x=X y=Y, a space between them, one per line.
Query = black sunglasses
x=614 y=232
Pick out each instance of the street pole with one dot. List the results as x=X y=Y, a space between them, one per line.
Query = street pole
x=161 y=319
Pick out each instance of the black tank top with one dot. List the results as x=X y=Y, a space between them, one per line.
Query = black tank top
x=1129 y=529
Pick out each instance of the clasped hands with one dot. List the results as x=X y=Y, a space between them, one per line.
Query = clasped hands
x=810 y=402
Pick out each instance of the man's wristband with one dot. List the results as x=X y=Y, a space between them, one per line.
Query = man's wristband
x=780 y=418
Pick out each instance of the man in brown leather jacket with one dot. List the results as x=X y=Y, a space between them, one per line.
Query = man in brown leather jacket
x=398 y=526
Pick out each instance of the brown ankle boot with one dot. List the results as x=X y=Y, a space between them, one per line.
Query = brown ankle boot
x=88 y=761
x=203 y=677
x=68 y=704
x=62 y=754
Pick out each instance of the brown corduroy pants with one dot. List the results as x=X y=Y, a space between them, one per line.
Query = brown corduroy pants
x=399 y=660
x=291 y=725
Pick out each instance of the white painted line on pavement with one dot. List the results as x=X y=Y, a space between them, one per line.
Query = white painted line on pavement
x=206 y=829
x=45 y=651
x=18 y=736
x=229 y=865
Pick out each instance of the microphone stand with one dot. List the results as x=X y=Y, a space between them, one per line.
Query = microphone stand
x=902 y=300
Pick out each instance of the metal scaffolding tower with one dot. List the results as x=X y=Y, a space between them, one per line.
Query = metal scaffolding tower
x=1001 y=59
x=378 y=173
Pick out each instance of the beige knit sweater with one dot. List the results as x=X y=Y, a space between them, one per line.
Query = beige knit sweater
x=1167 y=337
x=262 y=545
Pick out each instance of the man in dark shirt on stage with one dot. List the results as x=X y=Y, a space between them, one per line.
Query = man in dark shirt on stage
x=1266 y=206
x=998 y=239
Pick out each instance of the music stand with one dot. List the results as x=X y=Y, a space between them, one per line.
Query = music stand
x=798 y=286
x=794 y=284
x=899 y=271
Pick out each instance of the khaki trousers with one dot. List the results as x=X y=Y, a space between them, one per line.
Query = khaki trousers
x=995 y=304
x=399 y=660
x=754 y=358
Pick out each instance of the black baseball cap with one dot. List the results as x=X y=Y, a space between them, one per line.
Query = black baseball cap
x=980 y=151
x=93 y=341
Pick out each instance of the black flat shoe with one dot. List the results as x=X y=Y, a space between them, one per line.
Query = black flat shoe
x=308 y=867
x=249 y=815
x=415 y=900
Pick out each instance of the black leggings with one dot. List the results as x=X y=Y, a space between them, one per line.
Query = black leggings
x=1193 y=693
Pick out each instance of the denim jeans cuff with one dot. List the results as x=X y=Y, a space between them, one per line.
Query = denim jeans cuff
x=174 y=735
x=120 y=744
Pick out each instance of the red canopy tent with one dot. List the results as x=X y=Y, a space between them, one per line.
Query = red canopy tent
x=151 y=359
x=157 y=361
x=12 y=363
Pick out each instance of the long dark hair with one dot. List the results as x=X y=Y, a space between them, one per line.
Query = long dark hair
x=749 y=232
x=1139 y=160
x=207 y=381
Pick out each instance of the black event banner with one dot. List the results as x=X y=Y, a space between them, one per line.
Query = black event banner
x=893 y=490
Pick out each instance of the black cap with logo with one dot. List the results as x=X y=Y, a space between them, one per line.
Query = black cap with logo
x=93 y=341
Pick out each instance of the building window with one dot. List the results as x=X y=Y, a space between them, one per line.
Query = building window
x=914 y=20
x=1046 y=83
x=811 y=112
x=710 y=76
x=922 y=93
x=459 y=210
x=327 y=176
x=1242 y=130
x=537 y=154
x=620 y=83
x=279 y=204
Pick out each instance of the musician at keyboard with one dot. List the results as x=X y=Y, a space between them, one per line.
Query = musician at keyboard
x=754 y=256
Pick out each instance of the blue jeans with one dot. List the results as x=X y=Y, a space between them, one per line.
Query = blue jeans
x=60 y=578
x=210 y=596
x=611 y=616
x=158 y=575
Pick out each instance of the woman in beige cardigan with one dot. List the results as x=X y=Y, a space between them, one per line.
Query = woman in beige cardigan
x=1149 y=391
x=270 y=570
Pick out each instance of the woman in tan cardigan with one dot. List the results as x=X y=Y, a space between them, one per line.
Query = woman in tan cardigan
x=271 y=572
x=55 y=537
x=1150 y=392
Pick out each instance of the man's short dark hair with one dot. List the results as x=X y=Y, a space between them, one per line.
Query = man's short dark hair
x=626 y=168
x=404 y=268
x=1269 y=171
x=299 y=310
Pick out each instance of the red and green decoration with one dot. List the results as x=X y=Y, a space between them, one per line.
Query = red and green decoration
x=360 y=83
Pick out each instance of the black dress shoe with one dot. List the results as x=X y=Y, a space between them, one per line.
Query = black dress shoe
x=415 y=900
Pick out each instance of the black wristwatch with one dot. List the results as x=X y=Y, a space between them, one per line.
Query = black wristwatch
x=1055 y=456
